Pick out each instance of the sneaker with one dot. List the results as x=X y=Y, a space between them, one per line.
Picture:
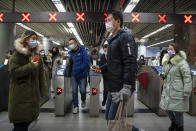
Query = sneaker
x=75 y=110
x=83 y=104
x=33 y=123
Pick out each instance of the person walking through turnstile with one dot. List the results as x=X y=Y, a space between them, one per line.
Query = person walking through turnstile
x=103 y=61
x=27 y=82
x=78 y=68
x=121 y=64
x=177 y=86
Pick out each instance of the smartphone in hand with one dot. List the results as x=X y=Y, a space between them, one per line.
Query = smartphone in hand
x=36 y=58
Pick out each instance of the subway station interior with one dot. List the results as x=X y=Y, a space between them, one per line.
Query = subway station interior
x=154 y=26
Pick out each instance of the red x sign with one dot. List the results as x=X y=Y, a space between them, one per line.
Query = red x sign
x=162 y=18
x=1 y=17
x=59 y=90
x=135 y=17
x=187 y=19
x=94 y=91
x=106 y=17
x=79 y=16
x=52 y=17
x=25 y=17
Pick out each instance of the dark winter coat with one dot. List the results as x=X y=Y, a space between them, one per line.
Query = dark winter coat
x=27 y=84
x=80 y=62
x=121 y=64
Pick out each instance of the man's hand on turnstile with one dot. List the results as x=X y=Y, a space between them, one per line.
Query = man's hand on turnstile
x=123 y=95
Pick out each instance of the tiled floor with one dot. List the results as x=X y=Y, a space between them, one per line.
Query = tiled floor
x=83 y=121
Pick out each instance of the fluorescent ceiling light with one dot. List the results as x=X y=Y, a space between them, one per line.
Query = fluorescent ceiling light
x=59 y=6
x=131 y=6
x=57 y=43
x=70 y=25
x=65 y=28
x=160 y=43
x=28 y=28
x=160 y=29
x=69 y=30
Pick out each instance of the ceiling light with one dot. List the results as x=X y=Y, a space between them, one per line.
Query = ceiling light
x=57 y=43
x=28 y=28
x=59 y=6
x=131 y=6
x=160 y=29
x=160 y=43
x=70 y=25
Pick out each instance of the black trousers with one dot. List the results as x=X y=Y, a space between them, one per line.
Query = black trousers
x=105 y=92
x=21 y=126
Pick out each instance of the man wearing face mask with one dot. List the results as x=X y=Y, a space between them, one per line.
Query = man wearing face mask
x=79 y=63
x=27 y=81
x=121 y=64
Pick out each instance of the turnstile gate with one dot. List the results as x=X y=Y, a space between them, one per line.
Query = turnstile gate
x=94 y=94
x=63 y=92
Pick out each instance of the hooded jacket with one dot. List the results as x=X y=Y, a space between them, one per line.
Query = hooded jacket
x=178 y=83
x=121 y=64
x=27 y=84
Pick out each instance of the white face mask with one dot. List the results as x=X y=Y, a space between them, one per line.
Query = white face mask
x=71 y=47
x=109 y=27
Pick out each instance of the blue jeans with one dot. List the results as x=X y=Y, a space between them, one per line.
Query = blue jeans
x=176 y=117
x=111 y=109
x=81 y=83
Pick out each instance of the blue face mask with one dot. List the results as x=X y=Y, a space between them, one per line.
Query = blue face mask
x=42 y=54
x=105 y=53
x=33 y=44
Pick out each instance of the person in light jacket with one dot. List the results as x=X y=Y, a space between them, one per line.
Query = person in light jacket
x=177 y=87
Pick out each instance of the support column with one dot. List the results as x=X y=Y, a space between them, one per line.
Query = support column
x=185 y=37
x=7 y=34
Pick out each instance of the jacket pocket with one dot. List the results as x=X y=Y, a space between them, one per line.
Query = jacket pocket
x=176 y=91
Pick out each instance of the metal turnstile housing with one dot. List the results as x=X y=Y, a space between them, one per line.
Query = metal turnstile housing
x=192 y=99
x=63 y=93
x=94 y=97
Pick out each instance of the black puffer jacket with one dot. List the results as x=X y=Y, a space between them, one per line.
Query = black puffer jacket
x=121 y=64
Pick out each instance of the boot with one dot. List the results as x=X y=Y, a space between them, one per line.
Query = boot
x=173 y=126
x=181 y=128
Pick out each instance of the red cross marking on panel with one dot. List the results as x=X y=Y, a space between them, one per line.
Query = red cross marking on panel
x=106 y=17
x=80 y=16
x=95 y=91
x=162 y=18
x=25 y=17
x=1 y=17
x=59 y=90
x=187 y=19
x=52 y=17
x=135 y=17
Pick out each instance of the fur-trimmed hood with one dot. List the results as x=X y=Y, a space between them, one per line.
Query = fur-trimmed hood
x=176 y=59
x=19 y=46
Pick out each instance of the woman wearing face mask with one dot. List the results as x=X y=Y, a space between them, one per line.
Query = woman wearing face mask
x=177 y=87
x=141 y=61
x=27 y=82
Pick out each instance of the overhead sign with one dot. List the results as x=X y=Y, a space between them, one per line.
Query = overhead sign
x=60 y=17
